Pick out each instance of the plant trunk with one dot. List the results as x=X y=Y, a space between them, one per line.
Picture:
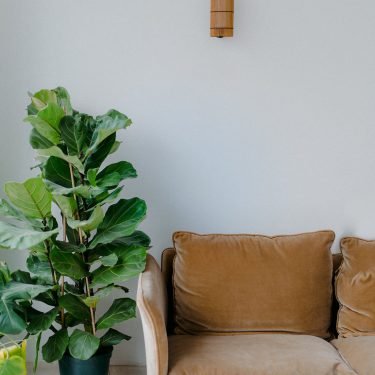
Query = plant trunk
x=88 y=294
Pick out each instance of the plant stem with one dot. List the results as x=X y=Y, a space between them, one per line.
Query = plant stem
x=62 y=312
x=47 y=247
x=92 y=313
x=53 y=272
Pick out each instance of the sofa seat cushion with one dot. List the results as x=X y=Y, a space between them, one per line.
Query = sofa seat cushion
x=359 y=352
x=225 y=284
x=262 y=354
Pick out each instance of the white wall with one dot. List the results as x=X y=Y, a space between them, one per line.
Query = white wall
x=271 y=131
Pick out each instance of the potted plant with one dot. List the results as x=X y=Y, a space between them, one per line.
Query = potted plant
x=81 y=255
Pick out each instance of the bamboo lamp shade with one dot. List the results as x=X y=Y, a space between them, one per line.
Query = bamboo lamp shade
x=222 y=14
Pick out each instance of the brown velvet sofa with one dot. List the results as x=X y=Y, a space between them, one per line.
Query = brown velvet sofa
x=253 y=354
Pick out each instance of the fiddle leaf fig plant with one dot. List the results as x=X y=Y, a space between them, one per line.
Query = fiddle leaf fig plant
x=81 y=255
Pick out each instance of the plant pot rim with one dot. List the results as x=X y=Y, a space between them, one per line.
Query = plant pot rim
x=102 y=352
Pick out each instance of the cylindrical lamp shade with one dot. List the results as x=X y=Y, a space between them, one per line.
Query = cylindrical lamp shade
x=222 y=14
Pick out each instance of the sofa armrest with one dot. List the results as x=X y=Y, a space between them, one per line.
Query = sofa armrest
x=152 y=305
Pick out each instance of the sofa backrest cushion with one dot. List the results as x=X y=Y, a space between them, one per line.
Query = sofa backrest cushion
x=355 y=288
x=243 y=284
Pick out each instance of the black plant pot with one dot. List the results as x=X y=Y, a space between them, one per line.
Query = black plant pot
x=96 y=365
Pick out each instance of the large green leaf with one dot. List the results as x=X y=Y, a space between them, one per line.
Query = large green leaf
x=105 y=197
x=42 y=98
x=109 y=260
x=6 y=210
x=113 y=337
x=54 y=349
x=73 y=134
x=101 y=293
x=90 y=125
x=131 y=262
x=57 y=171
x=108 y=124
x=138 y=238
x=67 y=205
x=47 y=297
x=91 y=223
x=58 y=153
x=15 y=365
x=52 y=115
x=121 y=219
x=22 y=277
x=12 y=319
x=13 y=237
x=19 y=291
x=68 y=264
x=73 y=235
x=120 y=246
x=76 y=307
x=83 y=345
x=84 y=191
x=73 y=289
x=40 y=247
x=37 y=141
x=70 y=247
x=40 y=101
x=63 y=100
x=31 y=197
x=42 y=321
x=38 y=264
x=121 y=309
x=44 y=129
x=113 y=174
x=115 y=147
x=37 y=348
x=91 y=176
x=31 y=110
x=47 y=122
x=69 y=320
x=98 y=155
x=5 y=276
